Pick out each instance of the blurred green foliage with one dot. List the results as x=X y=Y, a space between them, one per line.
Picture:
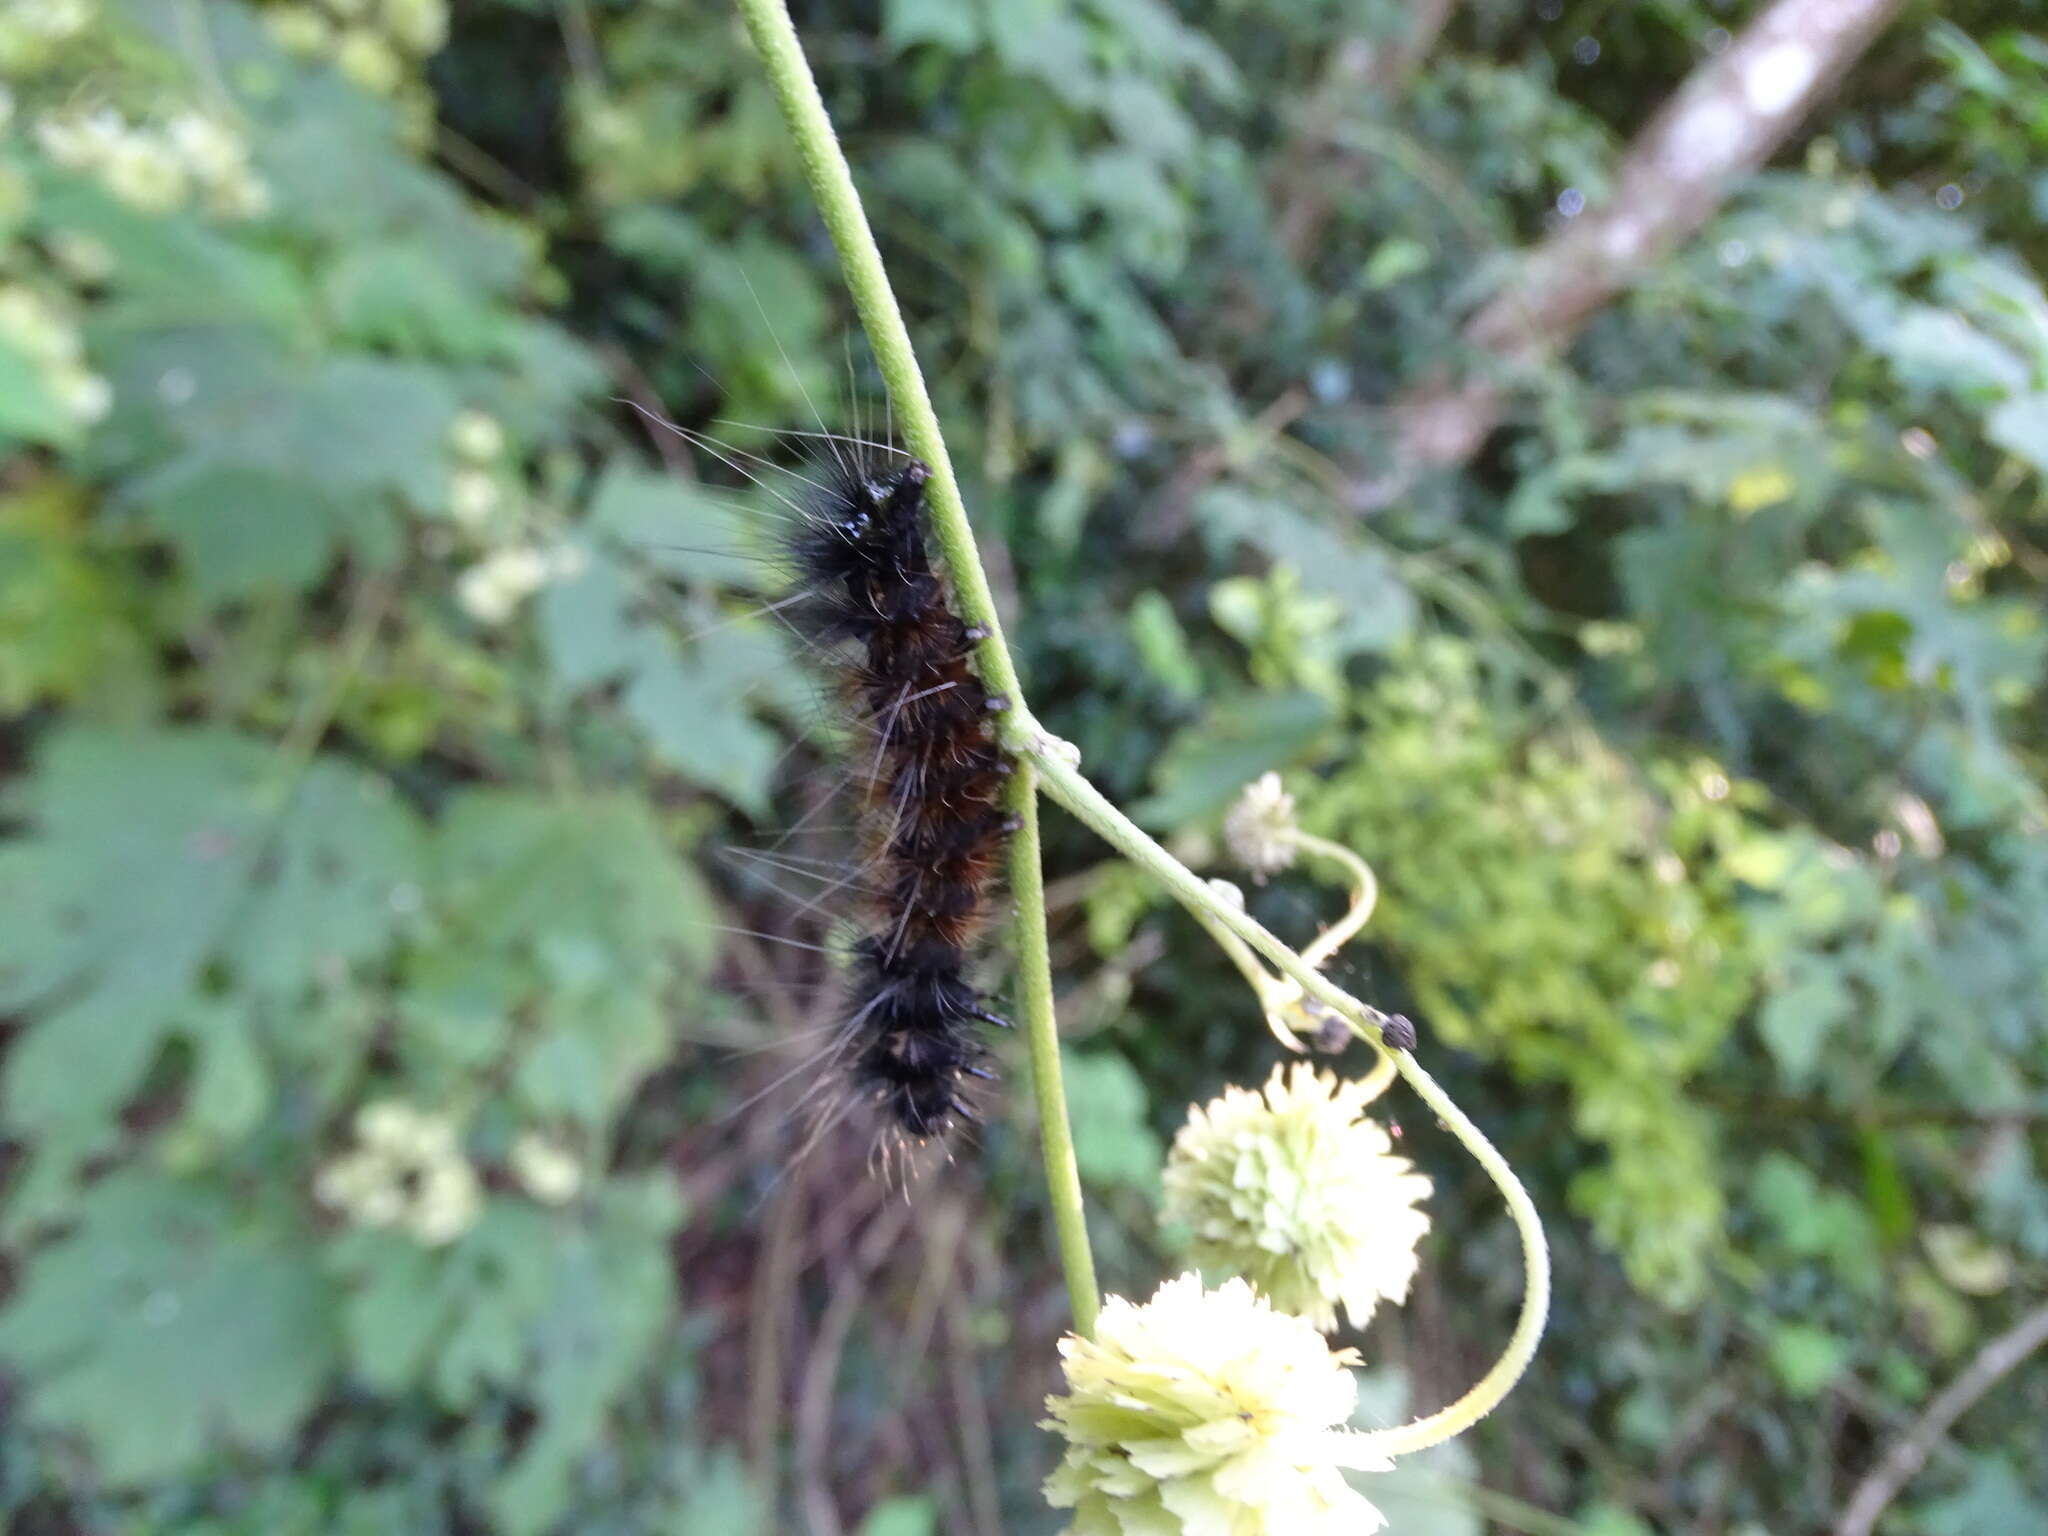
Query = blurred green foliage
x=379 y=692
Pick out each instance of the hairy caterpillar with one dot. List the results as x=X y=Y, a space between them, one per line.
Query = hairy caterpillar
x=929 y=777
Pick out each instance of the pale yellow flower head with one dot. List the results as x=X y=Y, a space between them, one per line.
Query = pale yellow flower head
x=1207 y=1413
x=1296 y=1189
x=546 y=1170
x=1258 y=828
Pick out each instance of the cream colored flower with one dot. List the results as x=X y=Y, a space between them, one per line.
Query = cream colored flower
x=145 y=173
x=1258 y=825
x=476 y=436
x=1296 y=1189
x=421 y=26
x=299 y=29
x=81 y=257
x=407 y=1171
x=496 y=585
x=1207 y=1413
x=369 y=60
x=546 y=1171
x=472 y=497
x=36 y=327
x=84 y=395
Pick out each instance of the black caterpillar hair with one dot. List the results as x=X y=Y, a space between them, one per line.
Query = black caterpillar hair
x=930 y=778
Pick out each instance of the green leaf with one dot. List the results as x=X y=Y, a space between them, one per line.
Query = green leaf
x=2020 y=427
x=683 y=529
x=1395 y=259
x=914 y=1515
x=587 y=623
x=1208 y=763
x=1114 y=1142
x=240 y=530
x=1797 y=1020
x=408 y=297
x=947 y=23
x=1376 y=609
x=693 y=716
x=170 y=1318
x=1995 y=1498
x=518 y=871
x=347 y=426
x=213 y=858
x=1806 y=1358
x=610 y=1295
x=28 y=411
x=599 y=1044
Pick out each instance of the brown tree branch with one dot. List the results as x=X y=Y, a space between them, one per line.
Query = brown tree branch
x=1727 y=119
x=1900 y=1464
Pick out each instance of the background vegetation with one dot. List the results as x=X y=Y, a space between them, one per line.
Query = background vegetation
x=381 y=725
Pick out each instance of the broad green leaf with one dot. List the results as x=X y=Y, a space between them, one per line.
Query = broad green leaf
x=914 y=1515
x=2020 y=427
x=407 y=297
x=1796 y=1021
x=518 y=872
x=1993 y=1498
x=610 y=1295
x=1376 y=609
x=29 y=412
x=1806 y=1358
x=946 y=23
x=240 y=530
x=1114 y=1142
x=687 y=530
x=694 y=718
x=215 y=858
x=170 y=1318
x=1209 y=762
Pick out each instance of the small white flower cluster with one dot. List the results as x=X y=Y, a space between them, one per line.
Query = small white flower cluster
x=492 y=590
x=31 y=29
x=158 y=169
x=1259 y=826
x=1208 y=1412
x=373 y=42
x=42 y=332
x=1298 y=1190
x=506 y=574
x=406 y=1171
x=473 y=490
x=545 y=1169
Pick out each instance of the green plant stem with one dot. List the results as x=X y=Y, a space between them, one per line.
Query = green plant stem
x=1365 y=895
x=1064 y=783
x=839 y=205
x=867 y=280
x=1056 y=1137
x=1499 y=1380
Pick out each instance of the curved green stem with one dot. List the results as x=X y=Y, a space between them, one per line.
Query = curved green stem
x=839 y=204
x=1365 y=895
x=1485 y=1394
x=1064 y=783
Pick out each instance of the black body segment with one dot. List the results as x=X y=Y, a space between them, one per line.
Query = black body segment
x=930 y=780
